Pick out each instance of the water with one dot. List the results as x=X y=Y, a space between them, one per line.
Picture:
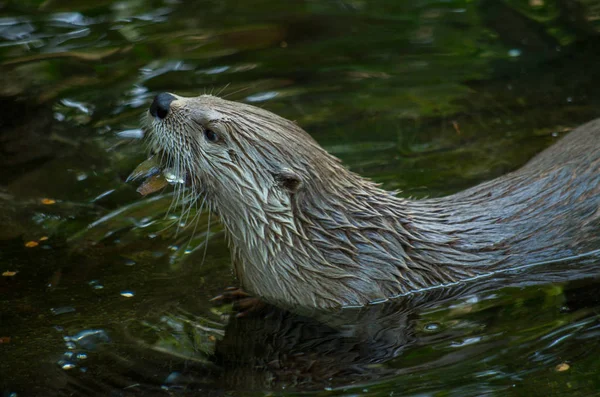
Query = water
x=104 y=292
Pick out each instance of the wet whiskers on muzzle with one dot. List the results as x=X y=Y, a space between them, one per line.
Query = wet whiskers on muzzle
x=170 y=163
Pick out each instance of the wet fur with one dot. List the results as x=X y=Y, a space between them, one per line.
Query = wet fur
x=306 y=231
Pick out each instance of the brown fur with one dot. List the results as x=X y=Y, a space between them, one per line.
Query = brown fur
x=306 y=231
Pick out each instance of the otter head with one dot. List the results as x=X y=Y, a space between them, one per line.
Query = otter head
x=238 y=155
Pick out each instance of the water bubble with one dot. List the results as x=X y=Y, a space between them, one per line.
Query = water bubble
x=89 y=339
x=432 y=327
x=95 y=284
x=67 y=366
x=57 y=311
x=466 y=341
x=173 y=177
x=172 y=378
x=515 y=52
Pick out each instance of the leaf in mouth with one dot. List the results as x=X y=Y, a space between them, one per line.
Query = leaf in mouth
x=155 y=180
x=146 y=169
x=152 y=184
x=155 y=176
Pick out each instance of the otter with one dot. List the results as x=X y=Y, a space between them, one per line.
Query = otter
x=304 y=231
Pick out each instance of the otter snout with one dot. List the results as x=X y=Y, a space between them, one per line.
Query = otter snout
x=161 y=105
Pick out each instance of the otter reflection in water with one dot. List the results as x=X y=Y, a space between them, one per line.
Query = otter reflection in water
x=425 y=334
x=306 y=232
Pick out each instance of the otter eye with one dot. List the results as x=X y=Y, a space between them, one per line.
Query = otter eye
x=211 y=135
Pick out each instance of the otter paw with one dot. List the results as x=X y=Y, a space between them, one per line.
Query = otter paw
x=243 y=303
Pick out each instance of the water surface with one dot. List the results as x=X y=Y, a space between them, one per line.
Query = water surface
x=104 y=292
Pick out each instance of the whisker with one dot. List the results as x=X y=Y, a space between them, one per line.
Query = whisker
x=191 y=199
x=195 y=220
x=207 y=233
x=236 y=92
x=223 y=89
x=175 y=138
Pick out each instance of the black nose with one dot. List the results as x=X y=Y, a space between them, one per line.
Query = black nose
x=161 y=105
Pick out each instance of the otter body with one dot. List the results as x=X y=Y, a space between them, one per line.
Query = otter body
x=306 y=231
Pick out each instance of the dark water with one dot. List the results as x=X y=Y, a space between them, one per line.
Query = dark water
x=101 y=294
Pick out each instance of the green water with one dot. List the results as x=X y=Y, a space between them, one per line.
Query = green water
x=102 y=294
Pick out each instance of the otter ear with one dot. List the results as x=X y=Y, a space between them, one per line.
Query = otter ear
x=288 y=179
